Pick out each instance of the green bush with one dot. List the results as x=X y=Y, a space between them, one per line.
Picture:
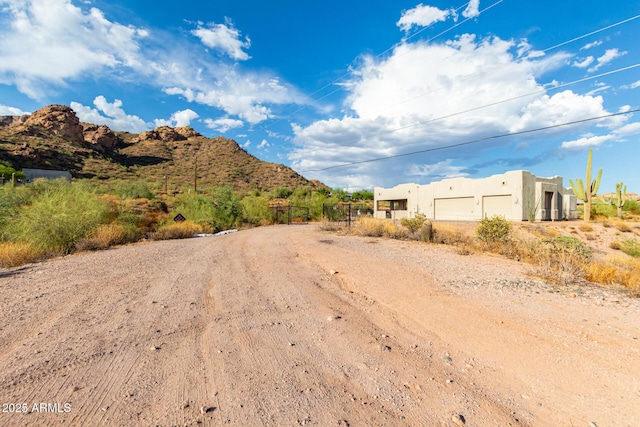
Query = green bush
x=133 y=190
x=493 y=230
x=567 y=245
x=631 y=247
x=282 y=193
x=58 y=218
x=631 y=205
x=256 y=210
x=219 y=211
x=413 y=224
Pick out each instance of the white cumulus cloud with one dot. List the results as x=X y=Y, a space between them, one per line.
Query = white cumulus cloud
x=586 y=142
x=584 y=63
x=223 y=124
x=44 y=42
x=245 y=96
x=422 y=16
x=110 y=114
x=609 y=55
x=427 y=95
x=6 y=110
x=472 y=10
x=183 y=117
x=224 y=37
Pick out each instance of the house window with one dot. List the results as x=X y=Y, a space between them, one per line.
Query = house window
x=392 y=205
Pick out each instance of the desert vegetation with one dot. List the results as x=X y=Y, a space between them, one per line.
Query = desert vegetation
x=54 y=217
x=554 y=256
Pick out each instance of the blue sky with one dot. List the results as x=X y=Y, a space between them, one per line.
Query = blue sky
x=315 y=85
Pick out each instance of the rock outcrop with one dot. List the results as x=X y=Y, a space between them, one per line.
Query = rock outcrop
x=100 y=136
x=168 y=134
x=11 y=121
x=59 y=120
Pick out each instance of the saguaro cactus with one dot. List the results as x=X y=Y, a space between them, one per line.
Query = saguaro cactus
x=587 y=194
x=621 y=197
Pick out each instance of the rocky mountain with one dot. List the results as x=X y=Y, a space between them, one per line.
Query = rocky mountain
x=172 y=158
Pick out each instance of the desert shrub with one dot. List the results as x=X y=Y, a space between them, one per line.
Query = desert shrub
x=567 y=245
x=14 y=254
x=180 y=230
x=413 y=224
x=561 y=258
x=58 y=218
x=631 y=247
x=219 y=211
x=493 y=230
x=281 y=193
x=394 y=230
x=585 y=227
x=107 y=235
x=255 y=210
x=624 y=227
x=371 y=227
x=447 y=234
x=133 y=190
x=362 y=195
x=327 y=225
x=615 y=271
x=615 y=245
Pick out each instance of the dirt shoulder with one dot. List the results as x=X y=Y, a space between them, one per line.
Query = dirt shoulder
x=287 y=325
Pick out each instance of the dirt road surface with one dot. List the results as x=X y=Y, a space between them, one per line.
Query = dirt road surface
x=289 y=325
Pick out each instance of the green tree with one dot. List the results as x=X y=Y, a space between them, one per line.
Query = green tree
x=362 y=195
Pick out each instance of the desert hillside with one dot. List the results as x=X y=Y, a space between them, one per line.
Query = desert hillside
x=54 y=138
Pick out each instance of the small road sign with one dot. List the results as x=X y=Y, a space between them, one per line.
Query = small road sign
x=179 y=218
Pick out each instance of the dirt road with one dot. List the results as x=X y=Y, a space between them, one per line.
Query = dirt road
x=286 y=326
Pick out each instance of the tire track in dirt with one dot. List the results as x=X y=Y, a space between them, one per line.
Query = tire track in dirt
x=255 y=329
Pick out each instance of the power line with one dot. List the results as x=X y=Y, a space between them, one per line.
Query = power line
x=472 y=75
x=591 y=33
x=475 y=141
x=543 y=90
x=339 y=79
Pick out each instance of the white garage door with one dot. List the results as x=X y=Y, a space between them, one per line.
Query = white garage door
x=458 y=209
x=496 y=205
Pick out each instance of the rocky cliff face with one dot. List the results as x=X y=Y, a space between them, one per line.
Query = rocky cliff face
x=59 y=120
x=168 y=134
x=100 y=136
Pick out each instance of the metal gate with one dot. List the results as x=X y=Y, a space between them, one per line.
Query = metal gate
x=289 y=214
x=346 y=212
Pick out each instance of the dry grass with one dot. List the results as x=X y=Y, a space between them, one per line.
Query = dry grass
x=623 y=227
x=370 y=227
x=585 y=227
x=395 y=230
x=107 y=235
x=16 y=254
x=557 y=258
x=451 y=234
x=615 y=271
x=180 y=230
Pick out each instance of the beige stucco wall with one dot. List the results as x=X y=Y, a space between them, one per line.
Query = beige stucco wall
x=464 y=199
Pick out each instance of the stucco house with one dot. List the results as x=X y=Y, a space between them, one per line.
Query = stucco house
x=516 y=195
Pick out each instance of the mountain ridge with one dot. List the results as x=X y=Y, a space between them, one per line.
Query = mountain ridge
x=172 y=159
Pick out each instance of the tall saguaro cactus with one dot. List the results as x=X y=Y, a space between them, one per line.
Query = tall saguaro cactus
x=587 y=194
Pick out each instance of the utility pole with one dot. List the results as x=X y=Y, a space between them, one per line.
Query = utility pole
x=195 y=175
